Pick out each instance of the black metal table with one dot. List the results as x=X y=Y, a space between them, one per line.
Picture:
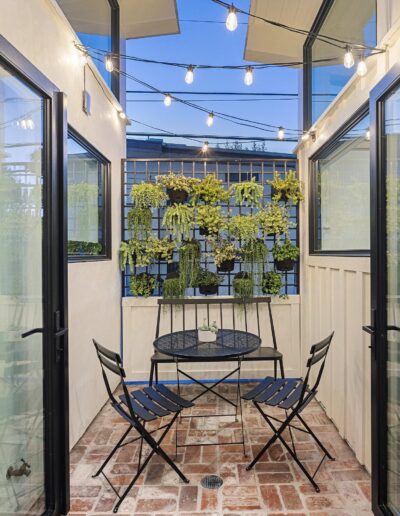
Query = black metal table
x=185 y=345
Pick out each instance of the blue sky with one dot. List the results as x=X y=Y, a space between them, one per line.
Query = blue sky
x=207 y=43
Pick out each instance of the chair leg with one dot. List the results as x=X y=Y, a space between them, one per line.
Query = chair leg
x=116 y=447
x=151 y=373
x=156 y=372
x=281 y=367
x=275 y=369
x=315 y=438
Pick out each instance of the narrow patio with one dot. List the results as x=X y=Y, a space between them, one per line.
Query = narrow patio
x=275 y=487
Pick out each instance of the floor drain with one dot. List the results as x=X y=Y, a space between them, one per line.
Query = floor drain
x=212 y=482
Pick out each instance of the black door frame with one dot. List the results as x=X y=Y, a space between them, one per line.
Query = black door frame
x=55 y=281
x=378 y=292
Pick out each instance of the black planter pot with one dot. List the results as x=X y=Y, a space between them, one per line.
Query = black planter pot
x=282 y=192
x=177 y=196
x=172 y=275
x=208 y=290
x=242 y=275
x=285 y=265
x=226 y=266
x=206 y=232
x=173 y=267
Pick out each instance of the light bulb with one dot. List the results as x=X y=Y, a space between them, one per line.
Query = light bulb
x=305 y=137
x=210 y=119
x=348 y=60
x=205 y=147
x=30 y=124
x=281 y=133
x=167 y=100
x=189 y=77
x=362 y=67
x=109 y=64
x=368 y=135
x=248 y=76
x=122 y=115
x=22 y=124
x=231 y=20
x=84 y=58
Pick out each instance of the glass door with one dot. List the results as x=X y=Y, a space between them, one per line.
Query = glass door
x=31 y=309
x=385 y=268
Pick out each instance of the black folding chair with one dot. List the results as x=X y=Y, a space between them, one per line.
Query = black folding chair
x=291 y=395
x=138 y=408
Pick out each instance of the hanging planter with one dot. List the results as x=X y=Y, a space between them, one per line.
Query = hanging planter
x=225 y=254
x=271 y=283
x=210 y=219
x=286 y=189
x=161 y=249
x=173 y=286
x=189 y=262
x=226 y=266
x=208 y=282
x=285 y=255
x=179 y=221
x=177 y=196
x=178 y=186
x=243 y=285
x=143 y=284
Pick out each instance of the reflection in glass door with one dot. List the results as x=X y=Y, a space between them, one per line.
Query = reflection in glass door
x=21 y=298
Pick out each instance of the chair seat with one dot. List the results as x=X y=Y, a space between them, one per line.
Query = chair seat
x=262 y=353
x=281 y=392
x=153 y=402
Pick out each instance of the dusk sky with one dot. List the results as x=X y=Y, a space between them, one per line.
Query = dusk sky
x=207 y=43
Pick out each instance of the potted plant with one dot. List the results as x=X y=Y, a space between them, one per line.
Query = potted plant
x=225 y=254
x=178 y=186
x=285 y=255
x=161 y=249
x=287 y=188
x=244 y=227
x=243 y=285
x=274 y=219
x=139 y=222
x=189 y=262
x=143 y=284
x=254 y=254
x=179 y=220
x=208 y=282
x=133 y=252
x=247 y=193
x=210 y=191
x=207 y=332
x=148 y=195
x=210 y=220
x=173 y=286
x=271 y=283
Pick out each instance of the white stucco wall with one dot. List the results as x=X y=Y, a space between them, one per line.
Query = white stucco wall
x=38 y=29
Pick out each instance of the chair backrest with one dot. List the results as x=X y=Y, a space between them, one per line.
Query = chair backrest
x=239 y=308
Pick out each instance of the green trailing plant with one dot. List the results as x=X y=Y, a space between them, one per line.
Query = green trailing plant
x=223 y=251
x=173 y=287
x=210 y=219
x=143 y=284
x=243 y=285
x=88 y=248
x=244 y=227
x=125 y=256
x=272 y=283
x=148 y=195
x=286 y=251
x=274 y=219
x=189 y=262
x=173 y=181
x=207 y=278
x=248 y=193
x=133 y=252
x=255 y=255
x=210 y=191
x=288 y=188
x=161 y=249
x=179 y=220
x=139 y=222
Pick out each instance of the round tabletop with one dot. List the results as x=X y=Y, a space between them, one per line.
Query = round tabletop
x=186 y=344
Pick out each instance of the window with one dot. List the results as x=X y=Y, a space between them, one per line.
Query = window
x=89 y=226
x=340 y=218
x=348 y=21
x=98 y=30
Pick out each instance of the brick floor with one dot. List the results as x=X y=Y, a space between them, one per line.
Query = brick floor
x=275 y=487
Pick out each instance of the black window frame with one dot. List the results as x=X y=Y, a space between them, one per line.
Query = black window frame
x=361 y=113
x=106 y=225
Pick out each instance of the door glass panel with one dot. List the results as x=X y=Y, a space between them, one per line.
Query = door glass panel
x=21 y=298
x=392 y=166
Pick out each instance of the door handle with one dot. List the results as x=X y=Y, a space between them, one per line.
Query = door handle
x=31 y=332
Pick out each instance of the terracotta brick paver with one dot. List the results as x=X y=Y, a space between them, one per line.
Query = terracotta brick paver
x=275 y=487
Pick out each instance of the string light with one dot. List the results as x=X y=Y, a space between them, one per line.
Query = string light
x=189 y=77
x=348 y=59
x=281 y=133
x=305 y=137
x=248 y=76
x=231 y=20
x=109 y=63
x=122 y=115
x=205 y=147
x=210 y=119
x=368 y=135
x=27 y=123
x=167 y=100
x=362 y=67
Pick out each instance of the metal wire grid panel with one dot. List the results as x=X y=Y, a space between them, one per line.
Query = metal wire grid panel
x=230 y=171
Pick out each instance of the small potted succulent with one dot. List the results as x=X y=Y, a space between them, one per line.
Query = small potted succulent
x=210 y=191
x=271 y=283
x=274 y=219
x=225 y=254
x=178 y=186
x=161 y=249
x=244 y=227
x=148 y=195
x=248 y=193
x=179 y=220
x=243 y=285
x=210 y=220
x=287 y=188
x=143 y=284
x=285 y=255
x=173 y=286
x=139 y=222
x=207 y=332
x=208 y=282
